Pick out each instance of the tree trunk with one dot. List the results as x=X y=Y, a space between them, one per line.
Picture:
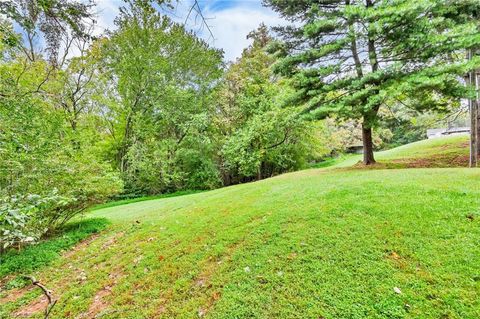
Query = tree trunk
x=476 y=112
x=473 y=105
x=477 y=133
x=473 y=133
x=368 y=158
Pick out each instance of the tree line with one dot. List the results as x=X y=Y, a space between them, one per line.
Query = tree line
x=149 y=107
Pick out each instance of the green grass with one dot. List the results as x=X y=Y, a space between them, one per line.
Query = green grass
x=43 y=253
x=144 y=198
x=319 y=243
x=335 y=161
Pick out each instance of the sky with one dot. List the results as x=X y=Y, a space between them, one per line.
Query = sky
x=229 y=20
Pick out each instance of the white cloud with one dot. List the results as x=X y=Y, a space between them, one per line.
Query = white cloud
x=230 y=24
x=106 y=11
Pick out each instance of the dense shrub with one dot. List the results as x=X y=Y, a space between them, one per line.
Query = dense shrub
x=26 y=218
x=48 y=172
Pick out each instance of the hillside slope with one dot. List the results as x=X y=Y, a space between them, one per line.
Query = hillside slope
x=319 y=243
x=449 y=151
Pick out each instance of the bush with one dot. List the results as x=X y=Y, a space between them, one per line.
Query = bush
x=25 y=219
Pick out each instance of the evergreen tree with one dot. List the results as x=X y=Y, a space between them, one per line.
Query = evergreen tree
x=348 y=57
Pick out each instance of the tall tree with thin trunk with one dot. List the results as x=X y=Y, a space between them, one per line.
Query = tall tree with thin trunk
x=350 y=56
x=472 y=81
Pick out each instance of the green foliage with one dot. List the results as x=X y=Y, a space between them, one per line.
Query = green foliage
x=163 y=76
x=49 y=170
x=26 y=218
x=36 y=156
x=43 y=253
x=258 y=137
x=51 y=19
x=8 y=38
x=269 y=143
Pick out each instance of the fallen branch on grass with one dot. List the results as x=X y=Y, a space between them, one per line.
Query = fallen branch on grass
x=46 y=292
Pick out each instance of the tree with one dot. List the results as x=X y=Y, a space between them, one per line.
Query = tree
x=45 y=179
x=162 y=76
x=349 y=57
x=52 y=20
x=257 y=137
x=473 y=81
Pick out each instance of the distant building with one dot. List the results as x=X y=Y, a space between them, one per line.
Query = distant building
x=439 y=132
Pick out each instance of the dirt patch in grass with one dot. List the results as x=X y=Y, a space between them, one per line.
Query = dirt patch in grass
x=454 y=160
x=33 y=257
x=399 y=261
x=86 y=242
x=14 y=294
x=80 y=246
x=100 y=300
x=409 y=265
x=35 y=306
x=112 y=240
x=457 y=145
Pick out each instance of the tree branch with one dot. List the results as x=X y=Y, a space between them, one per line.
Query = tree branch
x=46 y=292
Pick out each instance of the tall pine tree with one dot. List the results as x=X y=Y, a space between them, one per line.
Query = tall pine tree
x=350 y=56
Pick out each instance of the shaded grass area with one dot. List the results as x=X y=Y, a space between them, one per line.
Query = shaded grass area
x=144 y=198
x=311 y=244
x=33 y=257
x=329 y=162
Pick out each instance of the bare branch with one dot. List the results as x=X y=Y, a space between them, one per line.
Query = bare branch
x=199 y=14
x=51 y=301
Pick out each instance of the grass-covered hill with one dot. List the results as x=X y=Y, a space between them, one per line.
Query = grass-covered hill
x=320 y=243
x=449 y=151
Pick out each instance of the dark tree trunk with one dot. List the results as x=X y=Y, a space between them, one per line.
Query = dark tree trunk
x=368 y=158
x=473 y=135
x=259 y=172
x=477 y=131
x=473 y=128
x=473 y=104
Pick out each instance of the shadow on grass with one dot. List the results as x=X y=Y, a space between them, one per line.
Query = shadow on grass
x=33 y=257
x=144 y=198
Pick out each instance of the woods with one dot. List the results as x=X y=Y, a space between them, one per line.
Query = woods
x=149 y=107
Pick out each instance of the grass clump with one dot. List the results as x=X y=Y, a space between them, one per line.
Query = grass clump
x=33 y=257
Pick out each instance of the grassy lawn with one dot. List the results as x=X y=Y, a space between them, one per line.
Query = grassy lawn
x=319 y=243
